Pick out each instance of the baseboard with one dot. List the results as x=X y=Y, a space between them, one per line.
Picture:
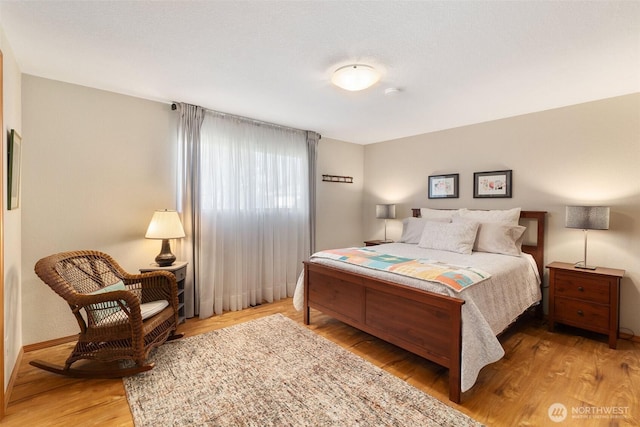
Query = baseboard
x=12 y=380
x=629 y=337
x=26 y=349
x=50 y=343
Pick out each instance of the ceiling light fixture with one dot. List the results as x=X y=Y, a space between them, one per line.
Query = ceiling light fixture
x=355 y=77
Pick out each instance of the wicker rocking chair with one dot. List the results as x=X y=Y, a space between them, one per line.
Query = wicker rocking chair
x=121 y=316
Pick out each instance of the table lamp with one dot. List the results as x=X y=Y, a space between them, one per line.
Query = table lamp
x=385 y=212
x=165 y=225
x=587 y=218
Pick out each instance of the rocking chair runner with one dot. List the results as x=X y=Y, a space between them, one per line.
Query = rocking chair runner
x=121 y=316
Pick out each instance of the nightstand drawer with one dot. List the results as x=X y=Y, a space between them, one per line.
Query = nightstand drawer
x=582 y=314
x=181 y=274
x=570 y=285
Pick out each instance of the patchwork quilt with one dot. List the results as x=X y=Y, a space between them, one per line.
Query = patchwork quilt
x=455 y=277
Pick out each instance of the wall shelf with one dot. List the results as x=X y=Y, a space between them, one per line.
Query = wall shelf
x=338 y=178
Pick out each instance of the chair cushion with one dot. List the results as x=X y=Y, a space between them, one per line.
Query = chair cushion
x=147 y=310
x=99 y=315
x=150 y=309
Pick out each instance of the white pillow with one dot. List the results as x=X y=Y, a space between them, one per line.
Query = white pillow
x=497 y=237
x=453 y=237
x=412 y=228
x=426 y=213
x=500 y=238
x=511 y=216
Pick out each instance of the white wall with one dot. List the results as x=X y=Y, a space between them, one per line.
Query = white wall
x=96 y=166
x=583 y=154
x=12 y=219
x=339 y=205
x=99 y=163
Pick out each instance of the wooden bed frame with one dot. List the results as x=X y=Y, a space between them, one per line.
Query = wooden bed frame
x=422 y=322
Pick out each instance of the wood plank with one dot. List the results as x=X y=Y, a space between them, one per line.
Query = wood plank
x=420 y=328
x=336 y=297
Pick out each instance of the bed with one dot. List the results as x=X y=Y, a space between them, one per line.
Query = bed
x=454 y=329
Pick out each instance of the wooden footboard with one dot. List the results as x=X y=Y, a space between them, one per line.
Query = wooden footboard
x=421 y=322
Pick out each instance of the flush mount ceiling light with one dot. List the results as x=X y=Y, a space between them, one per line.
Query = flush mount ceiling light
x=355 y=77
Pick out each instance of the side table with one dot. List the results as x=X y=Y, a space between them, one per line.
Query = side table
x=376 y=242
x=179 y=269
x=587 y=299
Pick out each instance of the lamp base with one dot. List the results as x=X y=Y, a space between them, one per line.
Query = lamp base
x=584 y=267
x=583 y=264
x=165 y=258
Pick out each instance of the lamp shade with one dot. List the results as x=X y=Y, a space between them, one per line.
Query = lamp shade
x=587 y=217
x=165 y=224
x=355 y=77
x=386 y=211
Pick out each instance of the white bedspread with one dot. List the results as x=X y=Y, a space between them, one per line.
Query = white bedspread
x=490 y=306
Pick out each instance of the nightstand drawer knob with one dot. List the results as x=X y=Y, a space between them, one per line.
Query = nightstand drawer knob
x=581 y=289
x=580 y=313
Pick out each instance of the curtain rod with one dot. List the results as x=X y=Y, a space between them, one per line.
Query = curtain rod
x=174 y=106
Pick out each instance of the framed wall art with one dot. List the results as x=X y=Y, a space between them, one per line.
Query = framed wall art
x=443 y=186
x=492 y=184
x=13 y=170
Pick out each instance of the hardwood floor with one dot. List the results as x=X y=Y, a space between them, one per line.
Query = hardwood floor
x=539 y=369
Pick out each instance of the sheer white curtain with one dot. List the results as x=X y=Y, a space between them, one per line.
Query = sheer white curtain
x=254 y=212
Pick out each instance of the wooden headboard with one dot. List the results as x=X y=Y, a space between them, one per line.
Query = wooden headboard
x=536 y=250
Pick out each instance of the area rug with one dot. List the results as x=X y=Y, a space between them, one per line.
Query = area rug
x=275 y=372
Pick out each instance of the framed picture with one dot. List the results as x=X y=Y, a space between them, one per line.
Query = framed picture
x=443 y=186
x=13 y=169
x=492 y=184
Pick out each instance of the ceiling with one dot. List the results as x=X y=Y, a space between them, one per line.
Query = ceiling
x=455 y=63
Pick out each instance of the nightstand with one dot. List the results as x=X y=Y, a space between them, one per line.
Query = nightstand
x=376 y=242
x=179 y=269
x=587 y=299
